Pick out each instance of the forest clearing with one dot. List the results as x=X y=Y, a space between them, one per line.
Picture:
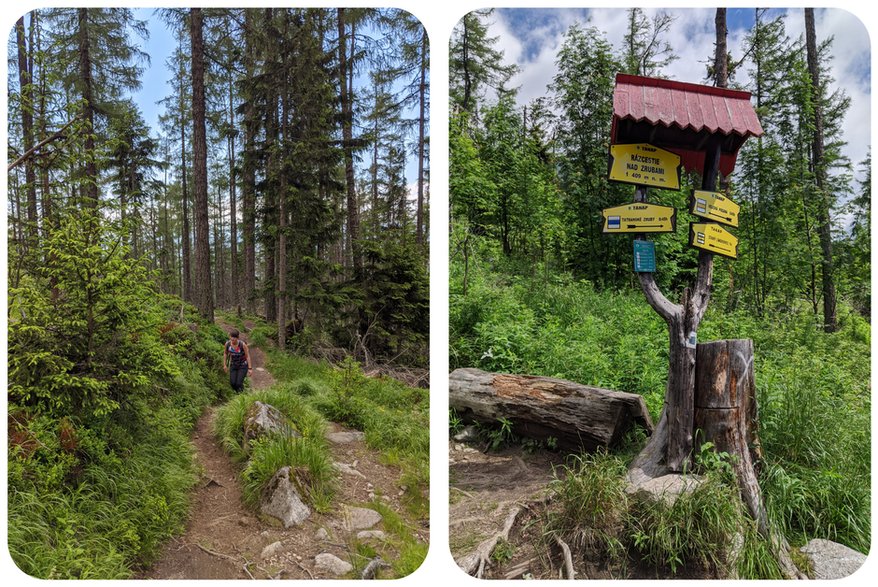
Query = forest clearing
x=692 y=401
x=177 y=173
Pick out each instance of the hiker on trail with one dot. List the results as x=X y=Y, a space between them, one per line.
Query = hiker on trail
x=236 y=361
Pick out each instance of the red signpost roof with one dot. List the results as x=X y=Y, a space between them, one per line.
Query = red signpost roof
x=682 y=117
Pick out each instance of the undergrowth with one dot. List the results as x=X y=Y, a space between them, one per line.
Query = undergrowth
x=308 y=455
x=92 y=495
x=813 y=388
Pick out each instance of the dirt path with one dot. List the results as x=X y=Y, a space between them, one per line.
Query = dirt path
x=225 y=540
x=485 y=489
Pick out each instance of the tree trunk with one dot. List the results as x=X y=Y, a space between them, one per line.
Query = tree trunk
x=422 y=123
x=25 y=84
x=89 y=188
x=282 y=212
x=353 y=219
x=186 y=281
x=203 y=298
x=726 y=415
x=249 y=173
x=579 y=417
x=233 y=212
x=818 y=164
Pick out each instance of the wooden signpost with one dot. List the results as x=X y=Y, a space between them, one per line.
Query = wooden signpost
x=713 y=238
x=644 y=164
x=714 y=206
x=640 y=217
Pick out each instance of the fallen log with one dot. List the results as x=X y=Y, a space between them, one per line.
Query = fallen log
x=579 y=417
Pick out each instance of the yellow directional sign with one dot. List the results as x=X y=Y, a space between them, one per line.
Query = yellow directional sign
x=713 y=238
x=643 y=164
x=714 y=206
x=640 y=217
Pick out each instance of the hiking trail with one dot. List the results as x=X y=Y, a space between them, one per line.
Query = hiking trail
x=226 y=540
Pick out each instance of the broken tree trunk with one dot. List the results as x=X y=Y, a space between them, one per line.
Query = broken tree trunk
x=725 y=414
x=577 y=416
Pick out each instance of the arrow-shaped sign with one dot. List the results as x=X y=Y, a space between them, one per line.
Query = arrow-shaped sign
x=713 y=238
x=640 y=217
x=714 y=206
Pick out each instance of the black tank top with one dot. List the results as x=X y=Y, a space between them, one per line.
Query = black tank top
x=239 y=359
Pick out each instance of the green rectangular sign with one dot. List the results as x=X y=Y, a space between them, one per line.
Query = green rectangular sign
x=644 y=256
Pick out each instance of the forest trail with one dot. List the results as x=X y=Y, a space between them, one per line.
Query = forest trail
x=226 y=540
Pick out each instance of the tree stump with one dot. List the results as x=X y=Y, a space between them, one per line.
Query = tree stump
x=578 y=416
x=725 y=414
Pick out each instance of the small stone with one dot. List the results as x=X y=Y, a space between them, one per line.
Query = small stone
x=321 y=534
x=401 y=493
x=367 y=534
x=468 y=434
x=831 y=560
x=348 y=470
x=355 y=463
x=271 y=550
x=332 y=564
x=371 y=495
x=345 y=437
x=260 y=368
x=360 y=518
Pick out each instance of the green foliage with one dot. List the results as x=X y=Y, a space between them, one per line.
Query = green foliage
x=498 y=434
x=697 y=528
x=83 y=336
x=91 y=497
x=393 y=416
x=592 y=503
x=310 y=468
x=308 y=456
x=813 y=387
x=503 y=552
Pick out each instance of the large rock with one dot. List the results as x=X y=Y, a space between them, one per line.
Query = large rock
x=281 y=500
x=360 y=518
x=831 y=560
x=332 y=564
x=666 y=488
x=265 y=419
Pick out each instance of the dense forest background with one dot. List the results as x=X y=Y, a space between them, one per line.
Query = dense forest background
x=536 y=288
x=276 y=182
x=277 y=188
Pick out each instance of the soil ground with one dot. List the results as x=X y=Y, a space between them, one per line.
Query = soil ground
x=225 y=540
x=484 y=487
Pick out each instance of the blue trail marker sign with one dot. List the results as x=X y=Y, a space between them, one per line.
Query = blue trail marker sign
x=644 y=256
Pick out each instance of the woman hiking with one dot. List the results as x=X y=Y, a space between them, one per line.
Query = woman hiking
x=236 y=361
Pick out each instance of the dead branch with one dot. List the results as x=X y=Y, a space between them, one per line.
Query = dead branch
x=53 y=137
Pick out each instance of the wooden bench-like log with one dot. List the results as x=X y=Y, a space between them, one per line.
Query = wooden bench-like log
x=577 y=416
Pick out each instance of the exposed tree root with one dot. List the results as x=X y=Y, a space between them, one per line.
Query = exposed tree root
x=568 y=558
x=474 y=563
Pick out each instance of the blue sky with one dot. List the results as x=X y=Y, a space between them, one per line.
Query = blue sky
x=531 y=39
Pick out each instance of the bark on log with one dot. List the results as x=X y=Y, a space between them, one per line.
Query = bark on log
x=578 y=416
